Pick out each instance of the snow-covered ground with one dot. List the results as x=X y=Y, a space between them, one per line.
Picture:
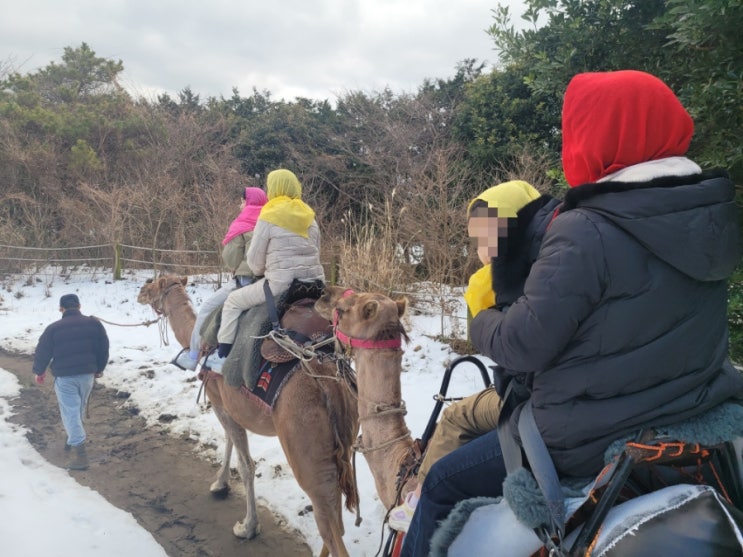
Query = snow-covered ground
x=36 y=497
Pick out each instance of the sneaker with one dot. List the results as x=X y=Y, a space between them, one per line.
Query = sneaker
x=214 y=363
x=401 y=515
x=184 y=360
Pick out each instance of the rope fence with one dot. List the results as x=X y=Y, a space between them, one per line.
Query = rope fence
x=117 y=258
x=113 y=260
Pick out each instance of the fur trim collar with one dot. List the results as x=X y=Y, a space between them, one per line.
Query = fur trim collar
x=576 y=195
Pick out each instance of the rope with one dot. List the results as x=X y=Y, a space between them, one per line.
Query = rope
x=358 y=445
x=162 y=325
x=143 y=324
x=382 y=410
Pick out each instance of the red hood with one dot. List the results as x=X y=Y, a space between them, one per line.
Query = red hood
x=612 y=120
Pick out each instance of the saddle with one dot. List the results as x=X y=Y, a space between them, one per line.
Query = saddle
x=300 y=323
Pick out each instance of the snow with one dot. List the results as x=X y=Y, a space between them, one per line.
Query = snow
x=36 y=495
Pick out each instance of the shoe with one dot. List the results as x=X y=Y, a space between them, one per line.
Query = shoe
x=214 y=363
x=401 y=515
x=67 y=447
x=80 y=459
x=184 y=360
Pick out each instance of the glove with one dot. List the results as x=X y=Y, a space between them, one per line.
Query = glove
x=224 y=350
x=40 y=378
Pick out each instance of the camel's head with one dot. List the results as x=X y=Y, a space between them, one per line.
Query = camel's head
x=153 y=289
x=365 y=316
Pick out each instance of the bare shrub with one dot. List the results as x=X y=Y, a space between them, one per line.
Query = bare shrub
x=370 y=256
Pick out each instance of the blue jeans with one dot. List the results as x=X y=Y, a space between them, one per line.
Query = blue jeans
x=72 y=394
x=474 y=470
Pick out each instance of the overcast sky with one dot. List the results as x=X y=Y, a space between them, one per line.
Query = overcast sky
x=318 y=49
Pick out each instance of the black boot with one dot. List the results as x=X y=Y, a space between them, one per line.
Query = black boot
x=80 y=459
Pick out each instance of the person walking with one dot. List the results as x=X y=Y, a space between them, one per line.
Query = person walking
x=77 y=348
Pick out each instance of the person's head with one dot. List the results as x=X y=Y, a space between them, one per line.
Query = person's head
x=254 y=197
x=612 y=120
x=493 y=212
x=69 y=301
x=283 y=182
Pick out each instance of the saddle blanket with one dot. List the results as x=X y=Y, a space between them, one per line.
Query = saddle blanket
x=271 y=377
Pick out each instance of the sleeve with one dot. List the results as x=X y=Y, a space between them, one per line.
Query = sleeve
x=234 y=252
x=314 y=233
x=43 y=353
x=258 y=248
x=103 y=349
x=564 y=286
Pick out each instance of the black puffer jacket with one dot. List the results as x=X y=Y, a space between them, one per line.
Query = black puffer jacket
x=75 y=345
x=623 y=319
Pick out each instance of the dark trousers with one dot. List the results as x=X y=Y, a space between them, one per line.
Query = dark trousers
x=474 y=470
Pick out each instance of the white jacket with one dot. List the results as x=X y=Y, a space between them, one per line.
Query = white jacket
x=281 y=255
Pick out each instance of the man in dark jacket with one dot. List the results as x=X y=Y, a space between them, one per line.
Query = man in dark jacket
x=623 y=321
x=77 y=347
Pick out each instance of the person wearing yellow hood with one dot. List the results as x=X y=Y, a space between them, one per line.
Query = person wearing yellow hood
x=507 y=223
x=285 y=246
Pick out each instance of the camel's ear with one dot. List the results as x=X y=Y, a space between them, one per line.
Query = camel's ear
x=162 y=282
x=402 y=305
x=370 y=309
x=184 y=281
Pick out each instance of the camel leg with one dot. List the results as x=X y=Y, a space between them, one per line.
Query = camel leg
x=322 y=488
x=237 y=437
x=221 y=486
x=308 y=440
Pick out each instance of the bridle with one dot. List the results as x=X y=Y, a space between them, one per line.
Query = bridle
x=351 y=342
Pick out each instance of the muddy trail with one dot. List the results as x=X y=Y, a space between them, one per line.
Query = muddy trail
x=160 y=479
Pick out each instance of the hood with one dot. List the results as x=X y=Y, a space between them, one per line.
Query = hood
x=612 y=120
x=689 y=222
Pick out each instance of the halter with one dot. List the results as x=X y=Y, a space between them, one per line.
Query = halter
x=388 y=344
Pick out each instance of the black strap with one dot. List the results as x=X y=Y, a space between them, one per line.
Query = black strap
x=543 y=469
x=273 y=315
x=510 y=449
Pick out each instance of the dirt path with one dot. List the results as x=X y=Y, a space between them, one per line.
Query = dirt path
x=154 y=476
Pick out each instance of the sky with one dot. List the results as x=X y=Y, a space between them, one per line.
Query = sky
x=318 y=49
x=38 y=489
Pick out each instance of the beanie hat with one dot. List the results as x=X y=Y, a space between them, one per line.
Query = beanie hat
x=283 y=182
x=509 y=197
x=69 y=301
x=612 y=120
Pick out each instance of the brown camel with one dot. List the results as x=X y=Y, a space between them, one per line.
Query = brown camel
x=368 y=327
x=315 y=419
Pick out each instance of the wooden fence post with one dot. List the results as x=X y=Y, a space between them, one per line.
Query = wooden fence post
x=117 y=261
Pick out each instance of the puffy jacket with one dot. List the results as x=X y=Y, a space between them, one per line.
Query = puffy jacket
x=623 y=322
x=234 y=253
x=75 y=345
x=281 y=255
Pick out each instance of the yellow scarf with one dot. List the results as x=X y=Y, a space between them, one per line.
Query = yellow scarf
x=479 y=294
x=285 y=207
x=293 y=215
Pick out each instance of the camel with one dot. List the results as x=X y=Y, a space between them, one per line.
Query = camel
x=315 y=419
x=167 y=296
x=368 y=327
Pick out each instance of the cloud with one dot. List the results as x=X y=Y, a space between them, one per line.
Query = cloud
x=312 y=48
